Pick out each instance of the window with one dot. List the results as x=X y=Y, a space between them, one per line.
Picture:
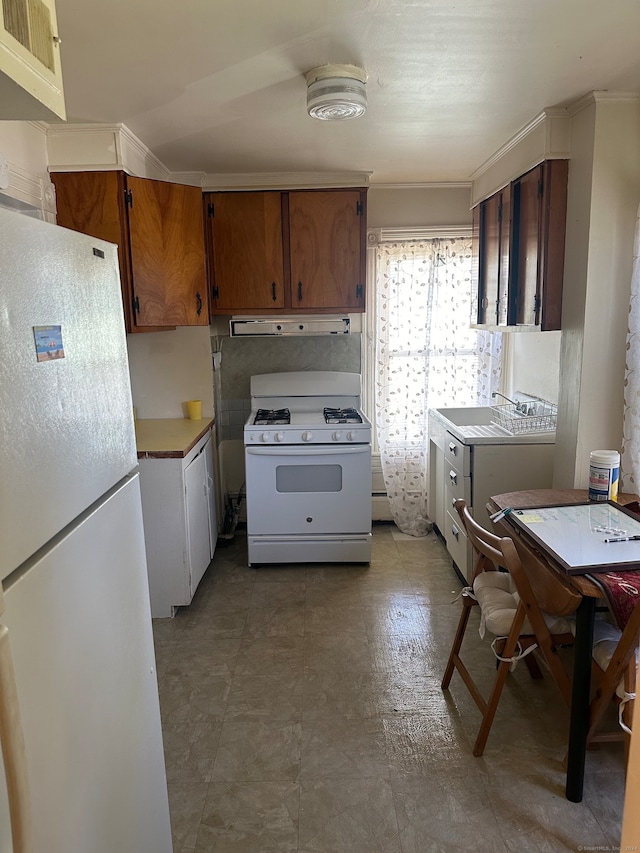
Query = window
x=421 y=354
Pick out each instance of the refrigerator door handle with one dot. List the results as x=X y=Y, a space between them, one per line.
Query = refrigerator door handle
x=13 y=749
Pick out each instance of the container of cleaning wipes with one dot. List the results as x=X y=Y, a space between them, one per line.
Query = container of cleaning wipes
x=604 y=472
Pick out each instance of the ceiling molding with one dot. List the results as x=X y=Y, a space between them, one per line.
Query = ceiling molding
x=429 y=185
x=193 y=179
x=556 y=121
x=605 y=95
x=28 y=188
x=104 y=147
x=284 y=180
x=598 y=97
x=101 y=147
x=40 y=126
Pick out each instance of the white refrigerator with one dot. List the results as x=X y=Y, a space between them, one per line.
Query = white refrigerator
x=79 y=712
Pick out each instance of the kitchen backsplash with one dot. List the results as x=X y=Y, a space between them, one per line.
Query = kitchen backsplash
x=242 y=358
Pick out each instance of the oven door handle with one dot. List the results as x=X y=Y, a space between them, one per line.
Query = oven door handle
x=308 y=450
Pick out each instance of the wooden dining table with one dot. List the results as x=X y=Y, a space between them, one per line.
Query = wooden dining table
x=585 y=615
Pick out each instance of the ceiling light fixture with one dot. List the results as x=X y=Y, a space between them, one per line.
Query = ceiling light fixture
x=336 y=92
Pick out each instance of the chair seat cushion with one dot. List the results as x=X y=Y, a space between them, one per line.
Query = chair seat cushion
x=605 y=639
x=498 y=599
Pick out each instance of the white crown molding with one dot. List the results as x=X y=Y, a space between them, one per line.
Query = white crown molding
x=557 y=131
x=598 y=97
x=104 y=146
x=40 y=126
x=605 y=95
x=28 y=189
x=284 y=180
x=426 y=185
x=193 y=179
x=556 y=121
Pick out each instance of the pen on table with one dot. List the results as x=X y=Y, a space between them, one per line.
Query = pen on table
x=623 y=539
x=497 y=516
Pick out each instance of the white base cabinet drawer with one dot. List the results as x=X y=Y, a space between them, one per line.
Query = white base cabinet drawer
x=458 y=545
x=475 y=473
x=457 y=455
x=456 y=486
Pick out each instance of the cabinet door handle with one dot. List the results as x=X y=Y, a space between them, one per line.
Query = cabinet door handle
x=299 y=291
x=198 y=303
x=453 y=477
x=455 y=531
x=453 y=448
x=273 y=291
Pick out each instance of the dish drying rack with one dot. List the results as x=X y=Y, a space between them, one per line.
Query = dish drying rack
x=522 y=418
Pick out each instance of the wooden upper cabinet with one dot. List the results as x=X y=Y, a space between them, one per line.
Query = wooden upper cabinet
x=553 y=225
x=493 y=226
x=244 y=237
x=504 y=262
x=160 y=236
x=520 y=249
x=527 y=193
x=286 y=251
x=326 y=244
x=166 y=236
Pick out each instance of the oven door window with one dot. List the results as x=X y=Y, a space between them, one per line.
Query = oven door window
x=308 y=478
x=308 y=490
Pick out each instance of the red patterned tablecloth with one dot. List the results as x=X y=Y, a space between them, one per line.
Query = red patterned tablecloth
x=622 y=591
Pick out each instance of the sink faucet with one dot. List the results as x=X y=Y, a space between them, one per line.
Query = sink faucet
x=498 y=394
x=520 y=407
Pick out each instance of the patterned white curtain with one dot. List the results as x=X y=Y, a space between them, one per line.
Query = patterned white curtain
x=630 y=462
x=426 y=357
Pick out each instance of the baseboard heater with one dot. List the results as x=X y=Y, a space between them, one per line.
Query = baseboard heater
x=290 y=326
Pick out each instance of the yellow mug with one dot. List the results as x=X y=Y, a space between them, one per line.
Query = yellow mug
x=194 y=407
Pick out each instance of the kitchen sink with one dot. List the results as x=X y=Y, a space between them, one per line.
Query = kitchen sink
x=469 y=415
x=477 y=425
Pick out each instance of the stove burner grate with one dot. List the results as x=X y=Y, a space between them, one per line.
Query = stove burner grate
x=272 y=416
x=341 y=416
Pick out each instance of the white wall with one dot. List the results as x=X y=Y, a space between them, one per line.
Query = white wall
x=402 y=207
x=534 y=364
x=23 y=166
x=169 y=368
x=604 y=192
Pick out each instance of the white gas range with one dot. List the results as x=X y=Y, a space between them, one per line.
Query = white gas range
x=308 y=469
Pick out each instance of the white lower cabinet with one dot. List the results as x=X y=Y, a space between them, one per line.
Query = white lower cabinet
x=178 y=506
x=475 y=472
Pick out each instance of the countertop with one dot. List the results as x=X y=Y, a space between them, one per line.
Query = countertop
x=473 y=434
x=167 y=438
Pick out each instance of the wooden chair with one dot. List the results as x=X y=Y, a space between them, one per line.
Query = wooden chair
x=614 y=671
x=521 y=608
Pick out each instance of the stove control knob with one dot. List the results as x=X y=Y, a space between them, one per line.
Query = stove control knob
x=337 y=435
x=264 y=436
x=307 y=436
x=279 y=436
x=351 y=436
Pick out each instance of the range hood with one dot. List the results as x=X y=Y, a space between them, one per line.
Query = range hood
x=285 y=326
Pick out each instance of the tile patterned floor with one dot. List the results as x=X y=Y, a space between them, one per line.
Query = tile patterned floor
x=302 y=713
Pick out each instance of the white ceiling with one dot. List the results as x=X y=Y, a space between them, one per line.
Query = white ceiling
x=218 y=86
